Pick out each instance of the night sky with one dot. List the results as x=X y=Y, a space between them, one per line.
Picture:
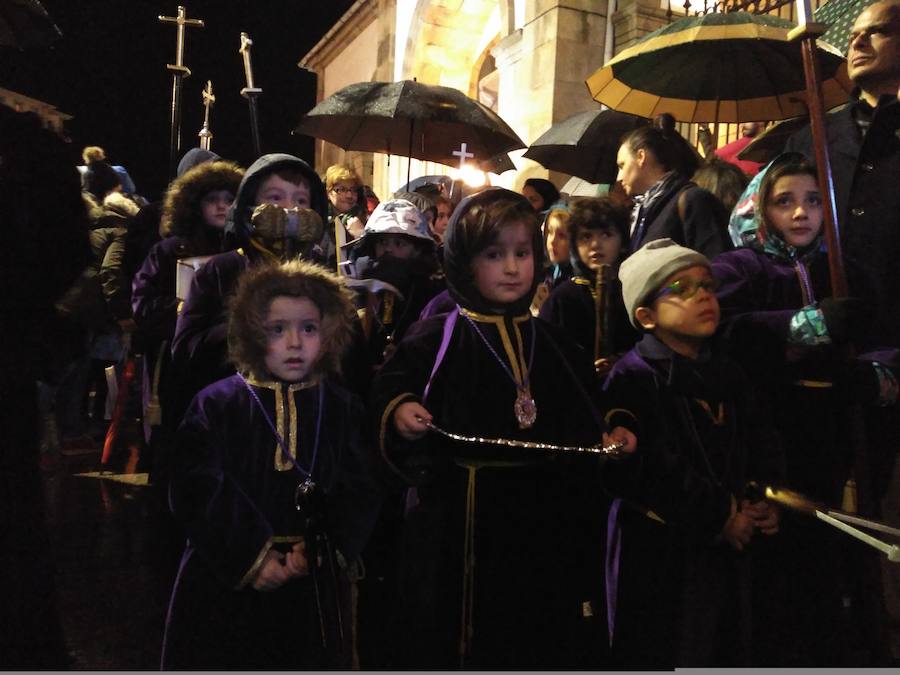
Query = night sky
x=109 y=71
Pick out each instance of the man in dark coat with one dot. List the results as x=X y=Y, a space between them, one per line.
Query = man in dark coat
x=864 y=148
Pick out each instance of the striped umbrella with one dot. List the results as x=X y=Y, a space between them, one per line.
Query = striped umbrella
x=734 y=67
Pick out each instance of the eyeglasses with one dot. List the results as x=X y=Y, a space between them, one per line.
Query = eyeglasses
x=343 y=190
x=686 y=288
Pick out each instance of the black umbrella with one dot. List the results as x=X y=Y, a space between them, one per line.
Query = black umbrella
x=770 y=143
x=585 y=145
x=25 y=24
x=412 y=119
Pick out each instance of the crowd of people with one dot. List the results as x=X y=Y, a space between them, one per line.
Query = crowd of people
x=511 y=430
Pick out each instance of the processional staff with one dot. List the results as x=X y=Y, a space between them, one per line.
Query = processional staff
x=251 y=92
x=179 y=72
x=806 y=33
x=205 y=134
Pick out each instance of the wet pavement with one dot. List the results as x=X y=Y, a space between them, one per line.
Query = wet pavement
x=115 y=551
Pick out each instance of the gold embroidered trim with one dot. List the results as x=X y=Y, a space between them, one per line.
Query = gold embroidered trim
x=286 y=429
x=719 y=418
x=814 y=384
x=619 y=410
x=387 y=308
x=491 y=318
x=385 y=417
x=517 y=362
x=287 y=539
x=254 y=569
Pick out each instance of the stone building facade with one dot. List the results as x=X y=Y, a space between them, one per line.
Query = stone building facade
x=526 y=59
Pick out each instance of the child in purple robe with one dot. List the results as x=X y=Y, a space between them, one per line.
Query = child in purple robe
x=272 y=481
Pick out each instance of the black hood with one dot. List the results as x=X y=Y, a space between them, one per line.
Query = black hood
x=460 y=242
x=237 y=229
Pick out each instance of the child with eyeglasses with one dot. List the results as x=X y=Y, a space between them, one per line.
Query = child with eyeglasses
x=677 y=562
x=782 y=324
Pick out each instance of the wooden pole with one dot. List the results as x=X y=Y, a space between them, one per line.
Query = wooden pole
x=806 y=32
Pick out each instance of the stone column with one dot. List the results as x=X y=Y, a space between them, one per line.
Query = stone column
x=543 y=66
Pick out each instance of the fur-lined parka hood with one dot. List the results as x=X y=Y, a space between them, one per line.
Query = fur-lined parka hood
x=259 y=285
x=115 y=211
x=181 y=213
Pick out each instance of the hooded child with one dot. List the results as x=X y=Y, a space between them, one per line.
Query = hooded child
x=589 y=305
x=195 y=210
x=273 y=484
x=395 y=270
x=490 y=369
x=782 y=324
x=686 y=531
x=199 y=347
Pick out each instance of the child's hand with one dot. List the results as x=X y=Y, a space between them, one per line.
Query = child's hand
x=355 y=227
x=623 y=436
x=765 y=516
x=277 y=569
x=295 y=561
x=409 y=420
x=738 y=531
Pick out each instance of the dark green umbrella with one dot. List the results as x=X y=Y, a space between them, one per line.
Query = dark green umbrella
x=840 y=15
x=585 y=144
x=734 y=67
x=411 y=119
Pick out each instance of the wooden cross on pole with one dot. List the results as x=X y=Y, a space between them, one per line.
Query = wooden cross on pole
x=180 y=21
x=463 y=155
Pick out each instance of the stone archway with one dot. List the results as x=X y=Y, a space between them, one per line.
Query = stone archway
x=443 y=39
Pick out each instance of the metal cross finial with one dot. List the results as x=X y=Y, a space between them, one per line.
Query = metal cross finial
x=463 y=155
x=209 y=99
x=246 y=44
x=180 y=21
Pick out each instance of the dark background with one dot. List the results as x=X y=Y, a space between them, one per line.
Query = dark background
x=109 y=72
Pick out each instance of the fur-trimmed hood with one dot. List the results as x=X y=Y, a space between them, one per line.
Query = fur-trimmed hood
x=115 y=211
x=259 y=285
x=181 y=213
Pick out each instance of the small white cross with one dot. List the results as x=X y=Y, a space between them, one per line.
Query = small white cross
x=463 y=155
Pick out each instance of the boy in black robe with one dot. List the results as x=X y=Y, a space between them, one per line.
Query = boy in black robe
x=531 y=519
x=681 y=587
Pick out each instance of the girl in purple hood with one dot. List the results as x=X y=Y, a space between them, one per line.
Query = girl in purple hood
x=780 y=320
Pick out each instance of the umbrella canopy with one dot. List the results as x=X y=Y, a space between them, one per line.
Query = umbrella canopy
x=412 y=119
x=769 y=144
x=25 y=24
x=840 y=15
x=734 y=67
x=497 y=164
x=584 y=145
x=578 y=187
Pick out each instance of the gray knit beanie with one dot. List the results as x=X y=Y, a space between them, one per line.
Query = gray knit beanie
x=645 y=270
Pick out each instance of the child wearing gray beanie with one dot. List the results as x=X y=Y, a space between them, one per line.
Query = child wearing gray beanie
x=679 y=563
x=645 y=270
